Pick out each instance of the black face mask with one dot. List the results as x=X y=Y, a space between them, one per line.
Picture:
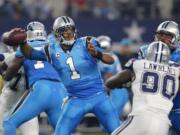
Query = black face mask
x=61 y=30
x=160 y=36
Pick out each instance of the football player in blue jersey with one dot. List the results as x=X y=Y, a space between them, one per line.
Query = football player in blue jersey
x=76 y=59
x=11 y=92
x=118 y=97
x=168 y=32
x=52 y=38
x=46 y=91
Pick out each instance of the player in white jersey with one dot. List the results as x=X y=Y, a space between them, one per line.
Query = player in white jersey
x=155 y=84
x=12 y=91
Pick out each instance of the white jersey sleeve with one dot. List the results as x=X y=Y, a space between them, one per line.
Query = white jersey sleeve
x=8 y=57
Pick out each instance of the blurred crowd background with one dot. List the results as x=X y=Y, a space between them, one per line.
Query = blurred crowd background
x=135 y=20
x=130 y=24
x=107 y=9
x=101 y=14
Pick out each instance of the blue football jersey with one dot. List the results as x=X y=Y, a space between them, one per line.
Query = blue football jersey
x=52 y=38
x=36 y=70
x=175 y=56
x=78 y=70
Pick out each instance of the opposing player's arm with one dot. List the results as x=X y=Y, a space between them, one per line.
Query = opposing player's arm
x=104 y=57
x=13 y=68
x=3 y=67
x=119 y=79
x=123 y=77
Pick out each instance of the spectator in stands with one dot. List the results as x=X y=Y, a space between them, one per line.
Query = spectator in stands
x=38 y=9
x=165 y=8
x=126 y=8
x=104 y=9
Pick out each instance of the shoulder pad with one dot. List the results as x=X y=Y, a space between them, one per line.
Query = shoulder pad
x=142 y=51
x=175 y=64
x=129 y=64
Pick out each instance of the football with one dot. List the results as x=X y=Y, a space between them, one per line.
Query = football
x=14 y=37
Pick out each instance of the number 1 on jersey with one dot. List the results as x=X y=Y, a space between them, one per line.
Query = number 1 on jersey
x=74 y=73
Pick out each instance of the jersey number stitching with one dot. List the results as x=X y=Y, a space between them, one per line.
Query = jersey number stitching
x=150 y=83
x=39 y=65
x=74 y=73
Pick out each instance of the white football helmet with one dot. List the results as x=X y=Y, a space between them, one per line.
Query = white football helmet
x=61 y=25
x=105 y=42
x=158 y=52
x=169 y=27
x=36 y=31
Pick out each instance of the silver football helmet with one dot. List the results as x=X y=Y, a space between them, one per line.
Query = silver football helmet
x=158 y=52
x=36 y=31
x=169 y=27
x=105 y=42
x=63 y=24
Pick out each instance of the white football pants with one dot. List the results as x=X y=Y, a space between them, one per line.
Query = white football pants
x=142 y=125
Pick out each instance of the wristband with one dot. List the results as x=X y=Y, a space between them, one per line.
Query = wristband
x=99 y=55
x=21 y=44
